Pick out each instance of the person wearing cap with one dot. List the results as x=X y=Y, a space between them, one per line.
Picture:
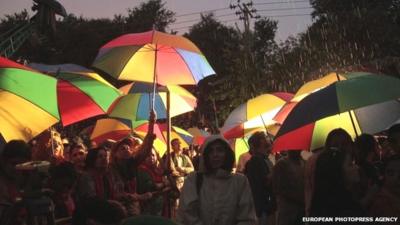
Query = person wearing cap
x=215 y=195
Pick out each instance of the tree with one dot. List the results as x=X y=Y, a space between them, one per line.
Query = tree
x=240 y=75
x=346 y=35
x=149 y=14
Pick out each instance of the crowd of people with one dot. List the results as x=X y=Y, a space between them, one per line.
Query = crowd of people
x=109 y=182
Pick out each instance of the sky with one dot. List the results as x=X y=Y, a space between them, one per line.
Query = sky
x=293 y=15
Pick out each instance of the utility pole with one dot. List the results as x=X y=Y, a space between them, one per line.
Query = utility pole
x=246 y=12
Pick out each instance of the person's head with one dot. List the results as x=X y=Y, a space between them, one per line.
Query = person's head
x=392 y=173
x=394 y=137
x=123 y=149
x=49 y=147
x=339 y=139
x=176 y=145
x=14 y=152
x=152 y=158
x=57 y=145
x=217 y=154
x=97 y=158
x=78 y=154
x=365 y=147
x=260 y=142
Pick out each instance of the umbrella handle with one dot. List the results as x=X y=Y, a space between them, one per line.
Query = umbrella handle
x=154 y=78
x=152 y=120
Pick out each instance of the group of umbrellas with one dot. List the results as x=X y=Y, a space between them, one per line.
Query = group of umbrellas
x=359 y=102
x=32 y=100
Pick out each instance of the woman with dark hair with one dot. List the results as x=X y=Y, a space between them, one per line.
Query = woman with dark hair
x=150 y=179
x=336 y=139
x=77 y=155
x=214 y=195
x=96 y=182
x=365 y=149
x=335 y=174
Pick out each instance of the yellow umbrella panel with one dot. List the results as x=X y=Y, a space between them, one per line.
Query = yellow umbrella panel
x=20 y=119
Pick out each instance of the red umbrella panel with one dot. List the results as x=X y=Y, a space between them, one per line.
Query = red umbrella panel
x=81 y=93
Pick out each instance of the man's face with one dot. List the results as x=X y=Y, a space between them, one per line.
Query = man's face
x=78 y=156
x=176 y=145
x=265 y=144
x=123 y=152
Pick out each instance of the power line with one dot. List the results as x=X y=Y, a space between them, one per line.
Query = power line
x=211 y=10
x=288 y=2
x=221 y=9
x=288 y=15
x=282 y=9
x=229 y=14
x=180 y=28
x=219 y=16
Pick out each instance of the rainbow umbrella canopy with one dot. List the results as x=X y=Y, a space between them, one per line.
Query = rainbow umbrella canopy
x=257 y=113
x=118 y=129
x=311 y=87
x=349 y=104
x=199 y=135
x=153 y=57
x=136 y=104
x=160 y=130
x=81 y=93
x=28 y=101
x=112 y=129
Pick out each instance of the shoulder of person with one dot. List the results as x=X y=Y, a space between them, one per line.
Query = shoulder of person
x=239 y=177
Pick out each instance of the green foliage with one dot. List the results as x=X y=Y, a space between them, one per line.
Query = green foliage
x=346 y=35
x=241 y=66
x=149 y=14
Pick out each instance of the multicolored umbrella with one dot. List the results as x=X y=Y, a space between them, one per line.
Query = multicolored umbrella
x=137 y=103
x=160 y=130
x=316 y=115
x=109 y=129
x=320 y=83
x=257 y=113
x=118 y=129
x=311 y=87
x=28 y=101
x=199 y=135
x=239 y=146
x=81 y=93
x=153 y=57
